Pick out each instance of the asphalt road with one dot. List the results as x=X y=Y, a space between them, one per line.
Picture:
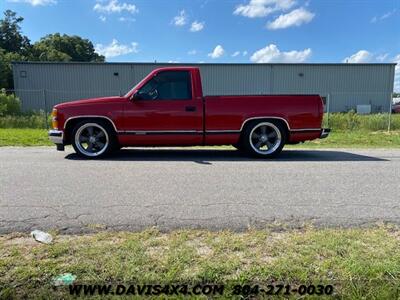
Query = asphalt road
x=41 y=188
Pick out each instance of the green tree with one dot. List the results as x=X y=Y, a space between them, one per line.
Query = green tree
x=11 y=38
x=14 y=46
x=57 y=47
x=6 y=78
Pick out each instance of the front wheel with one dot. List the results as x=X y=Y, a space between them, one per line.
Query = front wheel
x=264 y=139
x=92 y=139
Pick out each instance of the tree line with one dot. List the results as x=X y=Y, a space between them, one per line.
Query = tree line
x=14 y=46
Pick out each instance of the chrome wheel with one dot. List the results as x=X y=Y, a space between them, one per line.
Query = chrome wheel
x=265 y=138
x=91 y=139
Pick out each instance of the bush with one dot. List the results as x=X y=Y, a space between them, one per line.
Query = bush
x=9 y=104
x=37 y=121
x=353 y=121
x=337 y=121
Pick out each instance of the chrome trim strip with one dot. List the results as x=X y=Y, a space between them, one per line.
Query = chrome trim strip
x=244 y=123
x=90 y=116
x=161 y=131
x=158 y=132
x=227 y=131
x=306 y=129
x=141 y=132
x=264 y=117
x=222 y=130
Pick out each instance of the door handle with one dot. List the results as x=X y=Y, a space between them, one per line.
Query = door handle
x=190 y=108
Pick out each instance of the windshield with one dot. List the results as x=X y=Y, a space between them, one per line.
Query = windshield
x=136 y=85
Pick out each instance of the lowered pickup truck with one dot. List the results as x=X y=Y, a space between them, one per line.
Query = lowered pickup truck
x=167 y=108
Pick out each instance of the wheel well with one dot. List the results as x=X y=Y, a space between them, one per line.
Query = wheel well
x=72 y=123
x=281 y=122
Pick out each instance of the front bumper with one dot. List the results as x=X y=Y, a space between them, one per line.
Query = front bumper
x=324 y=133
x=57 y=137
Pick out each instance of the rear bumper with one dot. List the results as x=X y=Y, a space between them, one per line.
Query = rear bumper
x=324 y=133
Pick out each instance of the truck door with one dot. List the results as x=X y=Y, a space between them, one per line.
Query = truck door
x=164 y=111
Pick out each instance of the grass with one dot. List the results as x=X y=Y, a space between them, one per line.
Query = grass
x=37 y=121
x=337 y=121
x=24 y=137
x=349 y=130
x=338 y=139
x=359 y=263
x=356 y=139
x=353 y=121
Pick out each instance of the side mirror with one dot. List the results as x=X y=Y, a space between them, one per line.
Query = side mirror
x=135 y=96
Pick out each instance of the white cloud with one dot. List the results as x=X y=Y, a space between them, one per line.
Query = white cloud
x=35 y=2
x=103 y=18
x=271 y=54
x=192 y=52
x=116 y=49
x=384 y=16
x=218 y=52
x=262 y=8
x=362 y=56
x=196 y=26
x=237 y=53
x=382 y=57
x=173 y=61
x=115 y=7
x=126 y=19
x=180 y=19
x=294 y=18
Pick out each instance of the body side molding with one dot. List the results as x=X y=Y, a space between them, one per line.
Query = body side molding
x=91 y=116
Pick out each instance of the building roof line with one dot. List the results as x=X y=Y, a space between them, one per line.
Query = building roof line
x=197 y=64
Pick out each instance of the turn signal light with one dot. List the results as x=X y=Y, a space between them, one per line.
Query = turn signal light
x=54 y=121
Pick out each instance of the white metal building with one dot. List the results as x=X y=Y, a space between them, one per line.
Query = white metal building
x=41 y=85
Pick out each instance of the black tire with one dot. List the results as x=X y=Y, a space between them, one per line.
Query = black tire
x=238 y=147
x=272 y=139
x=101 y=134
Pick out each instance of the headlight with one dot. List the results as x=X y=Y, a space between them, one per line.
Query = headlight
x=54 y=121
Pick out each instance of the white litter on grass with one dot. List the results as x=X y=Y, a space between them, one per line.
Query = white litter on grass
x=64 y=279
x=42 y=237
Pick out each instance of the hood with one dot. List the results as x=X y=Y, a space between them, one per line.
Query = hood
x=102 y=100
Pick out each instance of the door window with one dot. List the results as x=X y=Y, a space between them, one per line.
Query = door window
x=168 y=85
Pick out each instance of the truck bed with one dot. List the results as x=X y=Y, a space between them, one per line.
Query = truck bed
x=229 y=112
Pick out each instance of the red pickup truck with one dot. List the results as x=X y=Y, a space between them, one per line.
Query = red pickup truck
x=167 y=108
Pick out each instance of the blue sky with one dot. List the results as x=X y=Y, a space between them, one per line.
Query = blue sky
x=223 y=30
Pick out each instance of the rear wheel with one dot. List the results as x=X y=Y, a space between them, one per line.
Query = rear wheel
x=264 y=139
x=93 y=139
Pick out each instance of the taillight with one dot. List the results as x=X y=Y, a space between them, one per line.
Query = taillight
x=54 y=121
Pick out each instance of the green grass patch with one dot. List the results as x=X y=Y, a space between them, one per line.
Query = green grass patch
x=337 y=139
x=359 y=263
x=24 y=137
x=336 y=121
x=355 y=139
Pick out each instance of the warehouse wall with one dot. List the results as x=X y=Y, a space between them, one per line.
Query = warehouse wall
x=346 y=85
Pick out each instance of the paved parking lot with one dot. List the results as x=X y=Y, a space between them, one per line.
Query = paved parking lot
x=170 y=188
